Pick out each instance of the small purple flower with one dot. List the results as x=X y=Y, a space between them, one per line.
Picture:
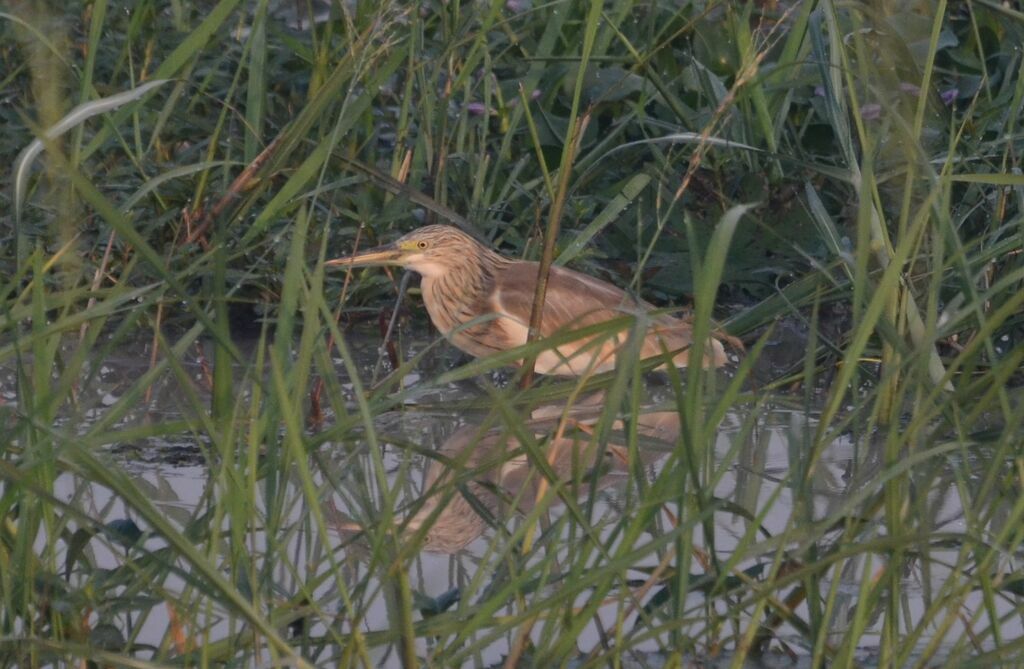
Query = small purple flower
x=819 y=91
x=518 y=6
x=949 y=96
x=535 y=94
x=871 y=112
x=907 y=87
x=476 y=108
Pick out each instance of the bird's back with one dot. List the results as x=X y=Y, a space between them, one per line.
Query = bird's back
x=574 y=301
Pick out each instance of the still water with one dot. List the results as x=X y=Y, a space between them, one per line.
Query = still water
x=464 y=502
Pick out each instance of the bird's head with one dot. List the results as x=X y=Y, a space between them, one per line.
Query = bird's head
x=431 y=251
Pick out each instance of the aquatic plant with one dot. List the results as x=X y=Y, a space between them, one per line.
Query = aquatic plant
x=838 y=184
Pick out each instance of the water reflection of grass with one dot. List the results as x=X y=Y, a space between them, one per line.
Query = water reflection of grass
x=881 y=151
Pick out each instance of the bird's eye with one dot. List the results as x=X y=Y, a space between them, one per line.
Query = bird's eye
x=421 y=244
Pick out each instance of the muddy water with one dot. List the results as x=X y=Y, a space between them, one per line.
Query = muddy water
x=756 y=453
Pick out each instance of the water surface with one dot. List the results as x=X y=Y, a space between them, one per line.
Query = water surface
x=467 y=501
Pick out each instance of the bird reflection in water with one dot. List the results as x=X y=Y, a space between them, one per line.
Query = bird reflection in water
x=479 y=480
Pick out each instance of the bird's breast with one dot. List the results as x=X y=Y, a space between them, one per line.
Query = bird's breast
x=465 y=318
x=448 y=303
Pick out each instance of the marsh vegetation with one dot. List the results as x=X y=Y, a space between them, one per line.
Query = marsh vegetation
x=211 y=454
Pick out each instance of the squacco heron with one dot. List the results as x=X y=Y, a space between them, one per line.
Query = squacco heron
x=481 y=301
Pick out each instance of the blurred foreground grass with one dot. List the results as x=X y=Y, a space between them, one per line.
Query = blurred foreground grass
x=878 y=144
